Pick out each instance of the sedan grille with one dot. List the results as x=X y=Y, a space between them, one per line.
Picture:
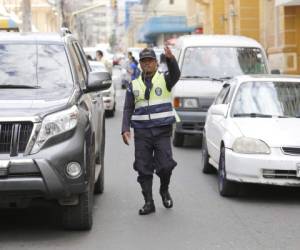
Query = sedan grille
x=279 y=174
x=14 y=137
x=291 y=151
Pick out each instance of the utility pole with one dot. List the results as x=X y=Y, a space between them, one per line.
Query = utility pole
x=26 y=15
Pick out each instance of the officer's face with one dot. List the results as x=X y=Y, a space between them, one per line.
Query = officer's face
x=148 y=65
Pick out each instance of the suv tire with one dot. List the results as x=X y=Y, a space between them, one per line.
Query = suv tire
x=99 y=185
x=80 y=216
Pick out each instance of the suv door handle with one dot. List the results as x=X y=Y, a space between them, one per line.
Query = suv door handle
x=94 y=101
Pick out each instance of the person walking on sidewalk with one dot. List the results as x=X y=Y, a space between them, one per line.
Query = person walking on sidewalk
x=148 y=110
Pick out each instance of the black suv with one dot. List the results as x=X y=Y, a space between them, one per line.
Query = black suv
x=52 y=125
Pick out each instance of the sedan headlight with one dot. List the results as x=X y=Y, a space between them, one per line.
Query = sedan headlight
x=246 y=145
x=55 y=124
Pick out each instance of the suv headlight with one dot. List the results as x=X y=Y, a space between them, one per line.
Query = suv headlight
x=246 y=145
x=55 y=124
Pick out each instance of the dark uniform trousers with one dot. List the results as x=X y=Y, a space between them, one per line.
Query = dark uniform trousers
x=153 y=153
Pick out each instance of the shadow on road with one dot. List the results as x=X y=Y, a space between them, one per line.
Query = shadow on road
x=39 y=216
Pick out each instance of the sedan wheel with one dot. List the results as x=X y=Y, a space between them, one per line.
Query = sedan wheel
x=226 y=187
x=206 y=167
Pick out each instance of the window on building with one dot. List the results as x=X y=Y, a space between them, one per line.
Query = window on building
x=172 y=1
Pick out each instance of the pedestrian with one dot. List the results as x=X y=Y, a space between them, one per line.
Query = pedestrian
x=133 y=67
x=100 y=58
x=148 y=110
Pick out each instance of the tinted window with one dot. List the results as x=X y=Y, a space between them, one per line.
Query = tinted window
x=268 y=98
x=42 y=65
x=222 y=62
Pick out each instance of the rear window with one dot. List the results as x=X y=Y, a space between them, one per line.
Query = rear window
x=42 y=65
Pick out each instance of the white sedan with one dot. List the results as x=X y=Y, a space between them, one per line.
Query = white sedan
x=252 y=133
x=109 y=95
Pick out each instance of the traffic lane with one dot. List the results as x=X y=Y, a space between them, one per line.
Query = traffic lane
x=200 y=219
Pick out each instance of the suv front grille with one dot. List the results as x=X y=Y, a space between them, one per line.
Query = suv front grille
x=14 y=137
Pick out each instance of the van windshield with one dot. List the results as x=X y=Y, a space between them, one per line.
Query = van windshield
x=34 y=65
x=222 y=62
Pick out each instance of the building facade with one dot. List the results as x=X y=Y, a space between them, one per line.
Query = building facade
x=274 y=23
x=44 y=16
x=164 y=20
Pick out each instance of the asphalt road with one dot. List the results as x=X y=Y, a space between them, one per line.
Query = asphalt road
x=260 y=218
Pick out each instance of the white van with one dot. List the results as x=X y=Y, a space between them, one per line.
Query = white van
x=205 y=61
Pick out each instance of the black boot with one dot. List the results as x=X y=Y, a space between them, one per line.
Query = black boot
x=149 y=206
x=164 y=191
x=146 y=185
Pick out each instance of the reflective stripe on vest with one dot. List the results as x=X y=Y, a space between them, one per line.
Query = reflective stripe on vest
x=158 y=110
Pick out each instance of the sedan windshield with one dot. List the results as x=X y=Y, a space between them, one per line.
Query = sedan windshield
x=34 y=66
x=222 y=62
x=267 y=99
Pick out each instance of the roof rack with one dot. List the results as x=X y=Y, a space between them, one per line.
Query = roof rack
x=64 y=31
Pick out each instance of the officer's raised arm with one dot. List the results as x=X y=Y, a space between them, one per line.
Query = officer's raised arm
x=173 y=74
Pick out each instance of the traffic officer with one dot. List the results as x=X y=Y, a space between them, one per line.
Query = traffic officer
x=148 y=110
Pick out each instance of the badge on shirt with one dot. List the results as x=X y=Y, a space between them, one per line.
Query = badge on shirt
x=158 y=91
x=136 y=93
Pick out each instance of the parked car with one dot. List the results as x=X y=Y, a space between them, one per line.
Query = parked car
x=252 y=133
x=109 y=95
x=52 y=126
x=205 y=62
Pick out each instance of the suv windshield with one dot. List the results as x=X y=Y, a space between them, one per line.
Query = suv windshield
x=222 y=62
x=255 y=99
x=34 y=65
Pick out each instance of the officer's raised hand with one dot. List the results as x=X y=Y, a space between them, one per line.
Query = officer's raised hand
x=126 y=137
x=168 y=52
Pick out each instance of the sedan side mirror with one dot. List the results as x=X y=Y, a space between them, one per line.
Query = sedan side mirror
x=219 y=109
x=98 y=81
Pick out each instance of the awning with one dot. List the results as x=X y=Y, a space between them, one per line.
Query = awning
x=7 y=23
x=163 y=24
x=287 y=2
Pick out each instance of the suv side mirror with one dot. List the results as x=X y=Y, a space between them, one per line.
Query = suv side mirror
x=275 y=71
x=219 y=109
x=98 y=81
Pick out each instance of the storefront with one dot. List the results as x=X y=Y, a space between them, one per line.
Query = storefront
x=159 y=29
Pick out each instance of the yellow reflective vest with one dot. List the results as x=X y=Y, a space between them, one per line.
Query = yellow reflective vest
x=158 y=110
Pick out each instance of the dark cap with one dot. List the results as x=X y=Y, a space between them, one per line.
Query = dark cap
x=147 y=53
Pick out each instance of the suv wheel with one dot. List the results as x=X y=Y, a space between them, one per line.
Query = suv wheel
x=99 y=185
x=80 y=216
x=178 y=140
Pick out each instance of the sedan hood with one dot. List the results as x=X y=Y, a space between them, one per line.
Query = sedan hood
x=32 y=102
x=196 y=88
x=276 y=132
